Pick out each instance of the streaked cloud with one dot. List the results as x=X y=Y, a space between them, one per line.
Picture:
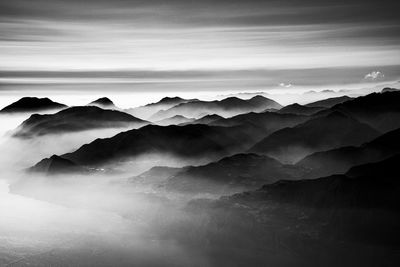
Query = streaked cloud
x=182 y=35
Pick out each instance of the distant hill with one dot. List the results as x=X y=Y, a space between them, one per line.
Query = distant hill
x=145 y=112
x=175 y=120
x=265 y=122
x=379 y=110
x=236 y=173
x=102 y=102
x=339 y=160
x=227 y=107
x=299 y=109
x=326 y=91
x=75 y=119
x=32 y=104
x=329 y=102
x=207 y=119
x=318 y=134
x=388 y=89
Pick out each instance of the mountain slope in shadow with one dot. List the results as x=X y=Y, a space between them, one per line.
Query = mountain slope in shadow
x=32 y=104
x=329 y=102
x=321 y=133
x=364 y=186
x=56 y=165
x=340 y=220
x=236 y=173
x=267 y=122
x=227 y=107
x=299 y=109
x=361 y=205
x=339 y=160
x=75 y=119
x=190 y=141
x=379 y=110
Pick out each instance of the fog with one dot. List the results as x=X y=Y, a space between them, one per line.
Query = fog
x=91 y=220
x=108 y=217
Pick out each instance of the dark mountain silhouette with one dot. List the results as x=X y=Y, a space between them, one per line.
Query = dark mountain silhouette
x=388 y=89
x=75 y=119
x=265 y=122
x=322 y=133
x=372 y=185
x=337 y=161
x=299 y=109
x=343 y=220
x=32 y=104
x=231 y=174
x=227 y=107
x=191 y=141
x=379 y=110
x=329 y=102
x=362 y=206
x=148 y=110
x=57 y=165
x=102 y=102
x=175 y=120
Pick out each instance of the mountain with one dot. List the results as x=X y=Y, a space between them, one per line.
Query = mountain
x=57 y=165
x=265 y=122
x=326 y=91
x=155 y=176
x=318 y=134
x=339 y=160
x=227 y=107
x=32 y=104
x=388 y=89
x=171 y=101
x=379 y=110
x=361 y=206
x=329 y=102
x=239 y=172
x=75 y=119
x=207 y=119
x=175 y=120
x=190 y=141
x=369 y=185
x=299 y=109
x=148 y=110
x=102 y=102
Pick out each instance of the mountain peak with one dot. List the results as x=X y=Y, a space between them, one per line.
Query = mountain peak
x=27 y=104
x=103 y=101
x=56 y=165
x=168 y=99
x=389 y=89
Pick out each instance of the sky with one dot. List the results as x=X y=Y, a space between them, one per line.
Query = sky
x=212 y=43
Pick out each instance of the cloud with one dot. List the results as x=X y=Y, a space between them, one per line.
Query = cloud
x=286 y=85
x=374 y=75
